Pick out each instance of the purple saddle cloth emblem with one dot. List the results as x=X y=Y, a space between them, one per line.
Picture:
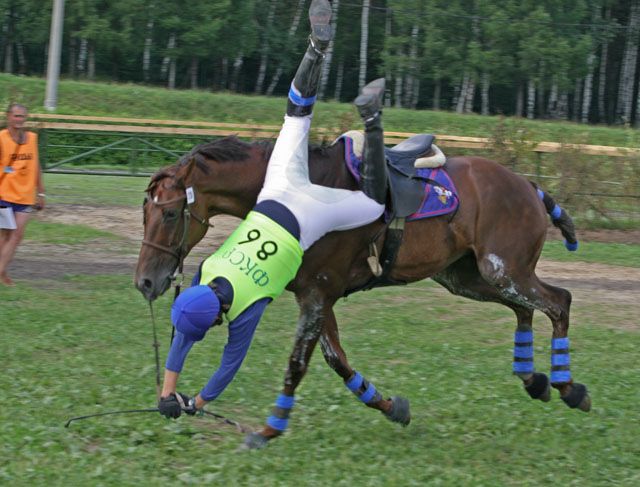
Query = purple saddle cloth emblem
x=438 y=199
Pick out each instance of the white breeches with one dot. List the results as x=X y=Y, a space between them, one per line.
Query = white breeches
x=318 y=209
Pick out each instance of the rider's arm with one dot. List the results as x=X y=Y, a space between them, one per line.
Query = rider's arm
x=241 y=331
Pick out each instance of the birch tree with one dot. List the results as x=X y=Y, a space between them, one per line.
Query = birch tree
x=264 y=51
x=290 y=36
x=628 y=68
x=364 y=43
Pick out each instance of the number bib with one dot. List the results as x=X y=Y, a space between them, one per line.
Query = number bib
x=259 y=259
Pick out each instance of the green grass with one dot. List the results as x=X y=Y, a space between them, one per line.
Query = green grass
x=102 y=99
x=95 y=190
x=604 y=253
x=83 y=345
x=64 y=234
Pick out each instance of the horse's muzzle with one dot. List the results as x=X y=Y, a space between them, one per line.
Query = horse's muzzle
x=152 y=288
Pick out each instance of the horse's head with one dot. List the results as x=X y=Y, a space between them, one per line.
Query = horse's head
x=175 y=219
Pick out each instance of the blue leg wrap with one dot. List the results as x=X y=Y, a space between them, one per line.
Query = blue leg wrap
x=560 y=361
x=363 y=389
x=297 y=99
x=523 y=353
x=279 y=419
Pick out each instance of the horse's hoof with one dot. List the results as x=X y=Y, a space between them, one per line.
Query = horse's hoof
x=400 y=412
x=255 y=441
x=585 y=404
x=578 y=397
x=539 y=388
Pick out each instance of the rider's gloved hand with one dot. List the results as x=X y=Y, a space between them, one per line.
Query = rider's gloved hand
x=173 y=405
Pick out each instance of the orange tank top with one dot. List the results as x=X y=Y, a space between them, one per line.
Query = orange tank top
x=19 y=179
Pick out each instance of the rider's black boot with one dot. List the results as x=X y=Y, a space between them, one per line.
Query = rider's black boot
x=304 y=87
x=373 y=172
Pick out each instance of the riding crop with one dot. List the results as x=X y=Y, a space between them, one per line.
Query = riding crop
x=201 y=412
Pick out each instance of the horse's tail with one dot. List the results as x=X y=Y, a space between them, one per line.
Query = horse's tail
x=560 y=219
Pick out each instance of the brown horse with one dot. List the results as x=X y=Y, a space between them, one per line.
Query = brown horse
x=487 y=252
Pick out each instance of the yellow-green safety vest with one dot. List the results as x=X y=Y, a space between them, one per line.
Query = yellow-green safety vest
x=259 y=259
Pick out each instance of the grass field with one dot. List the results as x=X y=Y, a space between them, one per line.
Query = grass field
x=83 y=345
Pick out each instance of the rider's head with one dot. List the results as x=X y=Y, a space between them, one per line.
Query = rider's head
x=195 y=311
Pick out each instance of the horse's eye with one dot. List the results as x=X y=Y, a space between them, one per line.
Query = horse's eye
x=169 y=215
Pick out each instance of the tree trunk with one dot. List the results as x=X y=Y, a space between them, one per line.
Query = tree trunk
x=339 y=78
x=146 y=55
x=326 y=66
x=484 y=94
x=588 y=89
x=171 y=83
x=414 y=83
x=437 y=93
x=470 y=96
x=22 y=59
x=462 y=96
x=563 y=106
x=397 y=94
x=193 y=73
x=264 y=54
x=82 y=57
x=628 y=71
x=416 y=92
x=224 y=81
x=235 y=75
x=577 y=90
x=519 y=101
x=91 y=62
x=531 y=99
x=72 y=57
x=387 y=66
x=292 y=31
x=364 y=43
x=8 y=39
x=552 y=104
x=171 y=44
x=602 y=77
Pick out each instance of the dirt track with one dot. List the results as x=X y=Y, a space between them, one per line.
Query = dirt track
x=587 y=282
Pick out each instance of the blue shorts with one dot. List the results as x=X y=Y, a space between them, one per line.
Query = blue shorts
x=17 y=208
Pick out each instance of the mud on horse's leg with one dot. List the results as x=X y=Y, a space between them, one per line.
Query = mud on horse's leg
x=309 y=327
x=395 y=409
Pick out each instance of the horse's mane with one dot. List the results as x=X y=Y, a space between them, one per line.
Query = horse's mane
x=229 y=148
x=226 y=149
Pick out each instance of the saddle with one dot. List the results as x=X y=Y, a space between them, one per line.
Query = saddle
x=404 y=163
x=407 y=168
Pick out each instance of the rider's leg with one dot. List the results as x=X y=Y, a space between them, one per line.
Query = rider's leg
x=302 y=94
x=373 y=171
x=318 y=209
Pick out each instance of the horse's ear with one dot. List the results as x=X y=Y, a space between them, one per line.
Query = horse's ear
x=184 y=173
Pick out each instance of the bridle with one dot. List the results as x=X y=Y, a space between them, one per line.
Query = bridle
x=187 y=214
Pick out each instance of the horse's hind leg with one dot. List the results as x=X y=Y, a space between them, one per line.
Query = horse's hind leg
x=524 y=289
x=395 y=409
x=463 y=278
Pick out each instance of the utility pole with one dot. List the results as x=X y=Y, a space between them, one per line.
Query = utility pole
x=53 y=65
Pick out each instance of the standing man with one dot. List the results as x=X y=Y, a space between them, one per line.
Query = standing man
x=21 y=186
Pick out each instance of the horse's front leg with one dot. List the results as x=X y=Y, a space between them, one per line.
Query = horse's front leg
x=395 y=409
x=313 y=309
